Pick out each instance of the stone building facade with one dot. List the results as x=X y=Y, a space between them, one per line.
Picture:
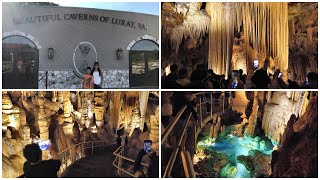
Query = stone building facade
x=53 y=46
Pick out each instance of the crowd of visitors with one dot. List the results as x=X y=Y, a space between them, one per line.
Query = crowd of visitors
x=203 y=78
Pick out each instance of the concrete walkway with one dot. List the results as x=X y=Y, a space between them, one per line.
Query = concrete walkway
x=92 y=166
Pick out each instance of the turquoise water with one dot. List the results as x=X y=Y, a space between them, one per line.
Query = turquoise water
x=234 y=146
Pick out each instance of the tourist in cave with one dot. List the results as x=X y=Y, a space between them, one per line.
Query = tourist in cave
x=235 y=82
x=183 y=78
x=153 y=169
x=119 y=141
x=170 y=80
x=242 y=76
x=97 y=76
x=34 y=167
x=276 y=81
x=213 y=78
x=198 y=78
x=260 y=78
x=311 y=81
x=223 y=81
x=87 y=80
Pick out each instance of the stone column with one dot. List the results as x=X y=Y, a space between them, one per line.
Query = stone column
x=43 y=123
x=116 y=109
x=143 y=101
x=253 y=117
x=67 y=109
x=135 y=120
x=99 y=108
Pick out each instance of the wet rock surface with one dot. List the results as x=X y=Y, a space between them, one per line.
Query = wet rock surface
x=298 y=156
x=210 y=166
x=257 y=163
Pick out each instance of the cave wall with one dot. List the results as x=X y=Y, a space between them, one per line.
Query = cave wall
x=303 y=41
x=277 y=112
x=298 y=155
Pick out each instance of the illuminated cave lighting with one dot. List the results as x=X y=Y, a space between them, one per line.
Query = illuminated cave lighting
x=232 y=146
x=206 y=142
x=167 y=70
x=94 y=129
x=242 y=171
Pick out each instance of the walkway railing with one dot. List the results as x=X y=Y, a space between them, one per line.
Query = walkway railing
x=184 y=145
x=119 y=162
x=77 y=151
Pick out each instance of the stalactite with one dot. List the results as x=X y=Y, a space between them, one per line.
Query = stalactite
x=266 y=29
x=223 y=23
x=191 y=23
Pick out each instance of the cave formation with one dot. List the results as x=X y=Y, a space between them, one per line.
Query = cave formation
x=231 y=35
x=259 y=134
x=71 y=117
x=276 y=137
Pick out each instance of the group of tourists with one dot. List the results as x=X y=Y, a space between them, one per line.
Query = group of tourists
x=93 y=78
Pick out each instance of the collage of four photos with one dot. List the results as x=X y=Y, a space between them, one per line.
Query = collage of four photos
x=159 y=89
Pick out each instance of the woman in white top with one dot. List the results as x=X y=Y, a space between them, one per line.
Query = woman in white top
x=97 y=76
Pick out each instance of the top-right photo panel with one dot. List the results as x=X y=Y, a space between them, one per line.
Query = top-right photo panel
x=239 y=45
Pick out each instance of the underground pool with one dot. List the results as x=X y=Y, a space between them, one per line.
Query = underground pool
x=226 y=150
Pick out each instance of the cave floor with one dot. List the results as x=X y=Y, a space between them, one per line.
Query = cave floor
x=92 y=166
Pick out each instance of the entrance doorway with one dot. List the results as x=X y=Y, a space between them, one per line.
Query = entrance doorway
x=144 y=65
x=20 y=63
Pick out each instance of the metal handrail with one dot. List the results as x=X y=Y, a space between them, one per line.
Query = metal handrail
x=173 y=156
x=119 y=157
x=64 y=155
x=171 y=125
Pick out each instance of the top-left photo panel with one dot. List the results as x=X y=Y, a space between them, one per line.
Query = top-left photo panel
x=80 y=45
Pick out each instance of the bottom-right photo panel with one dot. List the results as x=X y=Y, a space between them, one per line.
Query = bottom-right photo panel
x=239 y=134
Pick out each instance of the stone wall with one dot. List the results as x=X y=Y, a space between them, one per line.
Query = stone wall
x=113 y=78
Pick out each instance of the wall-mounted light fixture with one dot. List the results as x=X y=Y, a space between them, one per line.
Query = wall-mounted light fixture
x=50 y=53
x=119 y=53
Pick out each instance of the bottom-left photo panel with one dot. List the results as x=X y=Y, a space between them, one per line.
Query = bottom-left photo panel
x=80 y=134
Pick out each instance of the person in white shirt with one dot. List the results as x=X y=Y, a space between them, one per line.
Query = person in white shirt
x=97 y=76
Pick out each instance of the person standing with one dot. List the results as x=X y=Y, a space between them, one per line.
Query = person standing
x=97 y=76
x=87 y=80
x=261 y=78
x=35 y=167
